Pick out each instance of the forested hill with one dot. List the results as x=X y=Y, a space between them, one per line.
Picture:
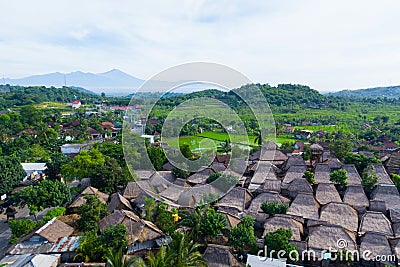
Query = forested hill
x=389 y=92
x=19 y=95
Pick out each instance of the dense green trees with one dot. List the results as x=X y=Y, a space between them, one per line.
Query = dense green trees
x=91 y=212
x=43 y=195
x=369 y=179
x=157 y=157
x=359 y=160
x=339 y=177
x=11 y=174
x=242 y=236
x=279 y=241
x=54 y=165
x=309 y=176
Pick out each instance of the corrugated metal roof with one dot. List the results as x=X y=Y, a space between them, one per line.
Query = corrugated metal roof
x=66 y=244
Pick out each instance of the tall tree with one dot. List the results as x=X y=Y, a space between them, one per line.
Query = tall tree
x=11 y=174
x=91 y=212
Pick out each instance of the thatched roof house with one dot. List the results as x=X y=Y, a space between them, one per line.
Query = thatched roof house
x=271 y=185
x=327 y=193
x=298 y=185
x=325 y=237
x=173 y=192
x=375 y=222
x=340 y=214
x=80 y=199
x=294 y=161
x=395 y=244
x=161 y=180
x=264 y=171
x=352 y=174
x=255 y=206
x=220 y=256
x=237 y=198
x=334 y=163
x=144 y=174
x=218 y=167
x=294 y=172
x=200 y=177
x=138 y=230
x=304 y=205
x=194 y=195
x=231 y=220
x=355 y=197
x=387 y=194
x=284 y=221
x=134 y=189
x=376 y=244
x=322 y=174
x=383 y=176
x=118 y=202
x=53 y=230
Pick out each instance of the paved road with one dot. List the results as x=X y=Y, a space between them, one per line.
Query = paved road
x=5 y=231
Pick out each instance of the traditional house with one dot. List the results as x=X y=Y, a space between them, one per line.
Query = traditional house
x=340 y=214
x=255 y=206
x=375 y=222
x=80 y=199
x=383 y=177
x=322 y=238
x=133 y=189
x=388 y=195
x=235 y=201
x=200 y=177
x=375 y=245
x=327 y=193
x=220 y=256
x=231 y=220
x=353 y=178
x=294 y=172
x=305 y=206
x=118 y=202
x=52 y=231
x=298 y=185
x=355 y=197
x=322 y=174
x=285 y=221
x=264 y=171
x=142 y=234
x=194 y=195
x=293 y=161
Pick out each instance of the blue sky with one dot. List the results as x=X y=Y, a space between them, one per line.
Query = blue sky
x=328 y=45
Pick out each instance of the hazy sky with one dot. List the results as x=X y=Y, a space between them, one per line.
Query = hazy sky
x=328 y=45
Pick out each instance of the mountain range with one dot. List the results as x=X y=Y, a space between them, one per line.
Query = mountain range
x=389 y=92
x=113 y=82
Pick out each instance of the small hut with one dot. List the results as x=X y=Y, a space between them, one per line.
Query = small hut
x=322 y=174
x=355 y=197
x=340 y=214
x=285 y=221
x=255 y=206
x=220 y=256
x=237 y=199
x=118 y=202
x=377 y=245
x=352 y=174
x=375 y=222
x=305 y=206
x=298 y=185
x=388 y=194
x=294 y=172
x=327 y=193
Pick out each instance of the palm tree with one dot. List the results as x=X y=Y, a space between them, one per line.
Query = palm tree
x=259 y=140
x=185 y=252
x=226 y=146
x=162 y=259
x=117 y=259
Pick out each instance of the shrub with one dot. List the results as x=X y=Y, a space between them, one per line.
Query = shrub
x=275 y=207
x=339 y=176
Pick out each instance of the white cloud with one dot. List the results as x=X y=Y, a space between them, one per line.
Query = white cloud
x=327 y=45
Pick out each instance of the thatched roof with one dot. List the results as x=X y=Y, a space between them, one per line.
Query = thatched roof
x=265 y=170
x=394 y=215
x=173 y=192
x=383 y=176
x=167 y=166
x=200 y=177
x=322 y=174
x=218 y=167
x=334 y=163
x=388 y=194
x=161 y=180
x=284 y=221
x=295 y=171
x=118 y=202
x=304 y=205
x=327 y=193
x=138 y=229
x=299 y=185
x=376 y=244
x=340 y=214
x=196 y=194
x=355 y=197
x=271 y=185
x=80 y=199
x=395 y=244
x=352 y=173
x=292 y=161
x=238 y=198
x=375 y=222
x=316 y=147
x=144 y=174
x=232 y=220
x=220 y=256
x=54 y=229
x=325 y=237
x=133 y=189
x=255 y=206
